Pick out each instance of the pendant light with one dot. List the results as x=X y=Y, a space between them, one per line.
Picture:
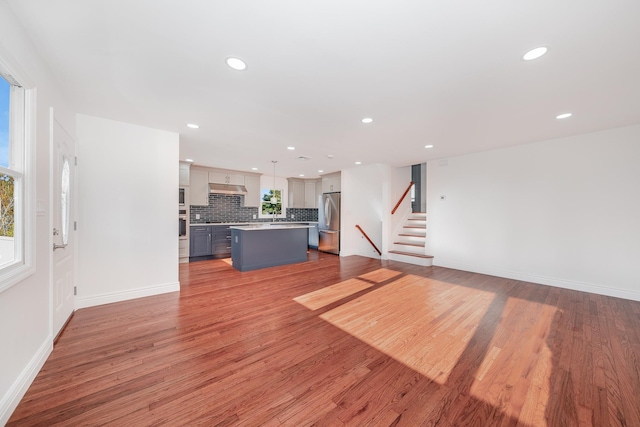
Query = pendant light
x=274 y=199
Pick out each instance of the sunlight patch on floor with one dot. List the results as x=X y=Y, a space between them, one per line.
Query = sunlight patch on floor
x=521 y=367
x=330 y=294
x=424 y=324
x=380 y=275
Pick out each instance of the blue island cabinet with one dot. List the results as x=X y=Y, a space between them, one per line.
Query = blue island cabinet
x=253 y=248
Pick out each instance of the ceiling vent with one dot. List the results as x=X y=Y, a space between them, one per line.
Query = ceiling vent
x=303 y=158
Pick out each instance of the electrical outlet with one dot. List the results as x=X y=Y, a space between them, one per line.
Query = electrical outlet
x=197 y=216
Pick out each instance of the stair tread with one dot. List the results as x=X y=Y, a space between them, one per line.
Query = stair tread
x=412 y=235
x=411 y=254
x=415 y=226
x=410 y=244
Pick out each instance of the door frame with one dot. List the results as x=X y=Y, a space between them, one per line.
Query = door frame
x=72 y=221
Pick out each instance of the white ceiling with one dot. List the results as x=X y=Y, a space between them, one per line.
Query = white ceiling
x=447 y=73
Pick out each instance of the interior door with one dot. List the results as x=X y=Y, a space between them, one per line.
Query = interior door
x=62 y=209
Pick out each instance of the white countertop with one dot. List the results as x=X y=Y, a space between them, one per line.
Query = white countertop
x=256 y=224
x=270 y=226
x=206 y=224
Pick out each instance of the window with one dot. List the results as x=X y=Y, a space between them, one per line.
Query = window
x=16 y=243
x=271 y=203
x=7 y=181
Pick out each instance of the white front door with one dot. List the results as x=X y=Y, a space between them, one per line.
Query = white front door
x=62 y=220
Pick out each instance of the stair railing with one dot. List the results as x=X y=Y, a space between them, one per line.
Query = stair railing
x=402 y=198
x=370 y=241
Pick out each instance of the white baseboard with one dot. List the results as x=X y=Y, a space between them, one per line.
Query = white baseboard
x=17 y=391
x=544 y=280
x=91 y=301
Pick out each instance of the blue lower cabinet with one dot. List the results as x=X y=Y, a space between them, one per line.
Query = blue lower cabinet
x=221 y=238
x=200 y=242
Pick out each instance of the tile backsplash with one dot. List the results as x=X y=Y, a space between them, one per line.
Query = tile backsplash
x=228 y=208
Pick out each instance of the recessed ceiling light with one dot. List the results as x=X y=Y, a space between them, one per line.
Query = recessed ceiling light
x=367 y=120
x=188 y=160
x=236 y=63
x=330 y=156
x=301 y=174
x=358 y=163
x=428 y=146
x=192 y=126
x=535 y=53
x=254 y=169
x=320 y=171
x=563 y=116
x=291 y=148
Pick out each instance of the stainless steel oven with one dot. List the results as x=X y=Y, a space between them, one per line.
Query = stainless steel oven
x=182 y=223
x=182 y=226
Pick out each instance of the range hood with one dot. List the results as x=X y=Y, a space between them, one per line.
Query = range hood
x=227 y=189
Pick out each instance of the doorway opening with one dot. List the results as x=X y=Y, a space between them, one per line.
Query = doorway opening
x=418 y=195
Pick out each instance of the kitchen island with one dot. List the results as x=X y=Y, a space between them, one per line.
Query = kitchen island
x=268 y=245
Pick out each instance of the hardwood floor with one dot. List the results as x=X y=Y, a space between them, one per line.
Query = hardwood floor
x=352 y=341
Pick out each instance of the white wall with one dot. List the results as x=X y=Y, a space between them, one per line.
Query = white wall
x=25 y=309
x=400 y=179
x=364 y=201
x=563 y=212
x=128 y=206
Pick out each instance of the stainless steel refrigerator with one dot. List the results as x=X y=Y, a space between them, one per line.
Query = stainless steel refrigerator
x=329 y=223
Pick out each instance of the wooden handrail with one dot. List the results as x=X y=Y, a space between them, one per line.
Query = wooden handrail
x=370 y=241
x=402 y=198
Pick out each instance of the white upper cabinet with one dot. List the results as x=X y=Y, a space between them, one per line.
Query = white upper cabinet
x=302 y=193
x=200 y=177
x=199 y=194
x=296 y=193
x=331 y=183
x=184 y=174
x=226 y=178
x=310 y=199
x=252 y=198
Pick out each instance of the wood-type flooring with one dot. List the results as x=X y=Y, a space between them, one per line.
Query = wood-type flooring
x=346 y=341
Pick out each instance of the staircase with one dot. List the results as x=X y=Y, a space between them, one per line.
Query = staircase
x=409 y=245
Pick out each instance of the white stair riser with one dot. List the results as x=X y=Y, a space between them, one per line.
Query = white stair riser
x=412 y=249
x=416 y=223
x=412 y=239
x=404 y=245
x=426 y=262
x=414 y=233
x=417 y=226
x=414 y=230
